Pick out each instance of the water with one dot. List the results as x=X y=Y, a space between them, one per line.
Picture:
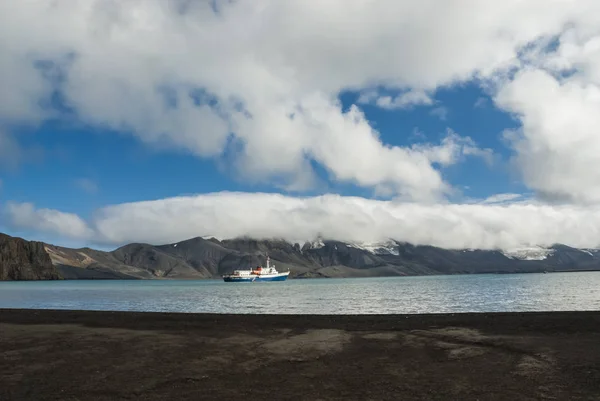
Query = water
x=437 y=294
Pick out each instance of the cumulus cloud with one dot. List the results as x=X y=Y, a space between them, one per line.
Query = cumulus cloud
x=261 y=78
x=258 y=82
x=66 y=225
x=454 y=148
x=558 y=146
x=556 y=96
x=404 y=100
x=262 y=215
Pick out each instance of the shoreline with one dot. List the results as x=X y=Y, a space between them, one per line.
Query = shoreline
x=312 y=278
x=96 y=355
x=500 y=322
x=506 y=322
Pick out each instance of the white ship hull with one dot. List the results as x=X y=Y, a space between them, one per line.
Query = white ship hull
x=259 y=274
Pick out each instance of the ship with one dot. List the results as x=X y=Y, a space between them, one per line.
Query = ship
x=259 y=273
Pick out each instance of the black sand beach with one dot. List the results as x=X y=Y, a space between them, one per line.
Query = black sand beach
x=76 y=355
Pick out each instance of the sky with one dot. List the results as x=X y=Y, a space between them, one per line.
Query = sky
x=461 y=124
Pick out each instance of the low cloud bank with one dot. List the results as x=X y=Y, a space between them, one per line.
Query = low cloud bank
x=262 y=215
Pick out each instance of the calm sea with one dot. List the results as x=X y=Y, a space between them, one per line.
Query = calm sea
x=465 y=293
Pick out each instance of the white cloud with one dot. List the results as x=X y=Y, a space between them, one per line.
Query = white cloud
x=557 y=99
x=558 y=147
x=261 y=80
x=86 y=185
x=405 y=100
x=440 y=112
x=454 y=147
x=266 y=74
x=506 y=226
x=480 y=102
x=502 y=198
x=26 y=216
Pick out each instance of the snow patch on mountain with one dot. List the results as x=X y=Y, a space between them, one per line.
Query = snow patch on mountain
x=590 y=251
x=209 y=237
x=389 y=247
x=315 y=244
x=529 y=253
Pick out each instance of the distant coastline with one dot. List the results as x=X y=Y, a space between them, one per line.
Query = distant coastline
x=200 y=258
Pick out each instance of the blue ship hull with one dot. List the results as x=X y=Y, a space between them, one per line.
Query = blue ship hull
x=253 y=279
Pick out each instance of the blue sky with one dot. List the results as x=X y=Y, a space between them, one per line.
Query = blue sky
x=124 y=169
x=148 y=121
x=78 y=169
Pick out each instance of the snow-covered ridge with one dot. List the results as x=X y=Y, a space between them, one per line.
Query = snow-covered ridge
x=389 y=247
x=539 y=253
x=590 y=251
x=528 y=253
x=314 y=244
x=209 y=237
x=317 y=244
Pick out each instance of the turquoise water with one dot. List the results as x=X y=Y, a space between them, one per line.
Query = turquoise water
x=437 y=294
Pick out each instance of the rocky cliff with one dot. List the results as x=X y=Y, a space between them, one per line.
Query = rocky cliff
x=25 y=260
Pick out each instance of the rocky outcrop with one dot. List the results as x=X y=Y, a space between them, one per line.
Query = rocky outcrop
x=25 y=260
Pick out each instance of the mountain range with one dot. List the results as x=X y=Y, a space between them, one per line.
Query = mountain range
x=202 y=258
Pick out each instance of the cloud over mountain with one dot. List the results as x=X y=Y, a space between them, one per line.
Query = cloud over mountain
x=261 y=215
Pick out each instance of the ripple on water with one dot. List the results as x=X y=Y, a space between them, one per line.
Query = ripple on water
x=438 y=294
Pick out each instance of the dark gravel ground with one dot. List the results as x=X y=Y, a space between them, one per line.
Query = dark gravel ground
x=79 y=355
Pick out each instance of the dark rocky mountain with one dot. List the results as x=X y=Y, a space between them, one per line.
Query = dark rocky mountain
x=25 y=260
x=210 y=258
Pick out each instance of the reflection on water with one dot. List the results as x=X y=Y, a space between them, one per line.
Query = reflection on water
x=433 y=294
